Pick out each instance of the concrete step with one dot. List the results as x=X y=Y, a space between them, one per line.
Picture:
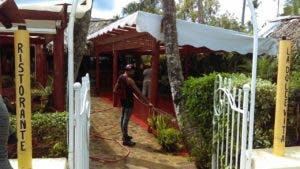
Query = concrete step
x=44 y=163
x=264 y=159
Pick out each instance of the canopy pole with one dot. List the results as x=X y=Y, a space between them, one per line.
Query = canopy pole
x=71 y=82
x=253 y=80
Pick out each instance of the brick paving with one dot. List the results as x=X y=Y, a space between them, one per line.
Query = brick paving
x=146 y=154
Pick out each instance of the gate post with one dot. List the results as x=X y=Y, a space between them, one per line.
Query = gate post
x=246 y=89
x=78 y=147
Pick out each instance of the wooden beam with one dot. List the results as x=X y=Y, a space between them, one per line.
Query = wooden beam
x=125 y=36
x=141 y=42
x=121 y=29
x=130 y=27
x=40 y=15
x=10 y=40
x=64 y=15
x=10 y=11
x=5 y=21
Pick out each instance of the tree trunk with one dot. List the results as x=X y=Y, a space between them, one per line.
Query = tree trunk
x=243 y=12
x=174 y=67
x=81 y=29
x=200 y=11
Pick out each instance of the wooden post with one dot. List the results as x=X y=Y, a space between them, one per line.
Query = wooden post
x=97 y=73
x=59 y=71
x=115 y=74
x=282 y=96
x=185 y=54
x=154 y=73
x=40 y=65
x=0 y=74
x=23 y=97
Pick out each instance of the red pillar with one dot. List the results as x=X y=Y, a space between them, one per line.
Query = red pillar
x=186 y=66
x=97 y=73
x=115 y=74
x=40 y=65
x=0 y=75
x=154 y=73
x=59 y=72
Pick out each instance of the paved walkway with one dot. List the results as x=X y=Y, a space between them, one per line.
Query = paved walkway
x=146 y=154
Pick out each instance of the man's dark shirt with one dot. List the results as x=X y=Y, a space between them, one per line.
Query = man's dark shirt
x=127 y=96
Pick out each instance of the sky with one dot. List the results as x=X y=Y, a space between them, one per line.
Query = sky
x=108 y=8
x=266 y=11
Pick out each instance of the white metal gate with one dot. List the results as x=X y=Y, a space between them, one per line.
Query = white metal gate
x=231 y=136
x=82 y=123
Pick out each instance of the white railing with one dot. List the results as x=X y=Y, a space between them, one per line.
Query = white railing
x=82 y=123
x=231 y=140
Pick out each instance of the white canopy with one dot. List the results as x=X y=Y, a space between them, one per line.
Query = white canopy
x=2 y=1
x=194 y=34
x=46 y=26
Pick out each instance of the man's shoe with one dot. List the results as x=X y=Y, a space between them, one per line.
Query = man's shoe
x=128 y=143
x=129 y=137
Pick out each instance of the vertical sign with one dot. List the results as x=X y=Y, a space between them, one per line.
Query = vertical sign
x=282 y=95
x=23 y=97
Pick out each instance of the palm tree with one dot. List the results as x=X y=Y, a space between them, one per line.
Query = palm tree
x=256 y=4
x=243 y=12
x=81 y=29
x=174 y=66
x=200 y=11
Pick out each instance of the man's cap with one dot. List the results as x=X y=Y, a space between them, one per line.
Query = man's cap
x=129 y=67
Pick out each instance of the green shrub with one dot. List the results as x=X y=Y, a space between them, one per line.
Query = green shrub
x=161 y=122
x=295 y=86
x=49 y=134
x=169 y=138
x=198 y=93
x=152 y=121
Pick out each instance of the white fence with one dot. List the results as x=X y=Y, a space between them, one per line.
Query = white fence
x=231 y=136
x=82 y=123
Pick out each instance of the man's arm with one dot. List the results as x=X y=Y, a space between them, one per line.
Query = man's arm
x=116 y=86
x=137 y=91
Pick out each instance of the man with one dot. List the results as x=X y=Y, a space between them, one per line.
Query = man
x=4 y=132
x=126 y=89
x=146 y=81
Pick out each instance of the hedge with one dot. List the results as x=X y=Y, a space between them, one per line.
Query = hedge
x=198 y=93
x=49 y=135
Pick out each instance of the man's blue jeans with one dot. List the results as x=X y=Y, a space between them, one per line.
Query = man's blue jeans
x=126 y=113
x=4 y=132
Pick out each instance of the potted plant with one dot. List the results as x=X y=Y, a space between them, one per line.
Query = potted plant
x=151 y=123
